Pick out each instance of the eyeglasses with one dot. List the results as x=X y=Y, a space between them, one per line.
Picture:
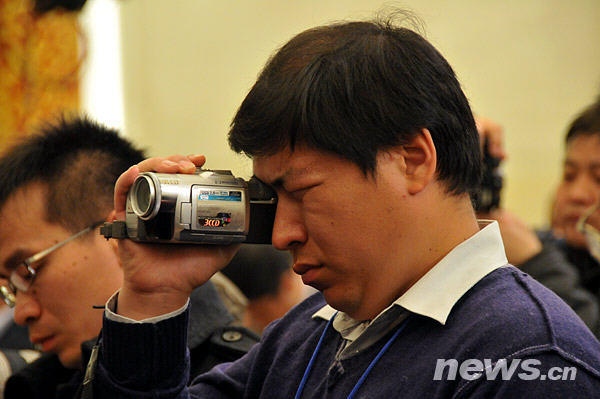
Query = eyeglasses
x=591 y=234
x=23 y=276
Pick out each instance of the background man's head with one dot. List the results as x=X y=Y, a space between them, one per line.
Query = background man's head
x=53 y=185
x=264 y=275
x=580 y=185
x=355 y=89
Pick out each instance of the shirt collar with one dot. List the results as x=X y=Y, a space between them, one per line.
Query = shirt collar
x=434 y=294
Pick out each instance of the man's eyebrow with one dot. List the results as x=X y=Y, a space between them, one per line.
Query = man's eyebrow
x=570 y=162
x=292 y=173
x=278 y=181
x=574 y=164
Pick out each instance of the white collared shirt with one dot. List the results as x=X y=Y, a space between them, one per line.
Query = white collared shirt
x=433 y=295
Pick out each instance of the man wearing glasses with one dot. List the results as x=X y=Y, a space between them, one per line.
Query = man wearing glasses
x=56 y=188
x=566 y=257
x=575 y=215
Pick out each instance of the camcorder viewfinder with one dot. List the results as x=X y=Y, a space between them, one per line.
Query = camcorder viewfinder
x=208 y=207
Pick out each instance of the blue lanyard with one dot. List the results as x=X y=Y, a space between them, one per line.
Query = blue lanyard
x=367 y=371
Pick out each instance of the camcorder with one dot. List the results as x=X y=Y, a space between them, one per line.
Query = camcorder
x=487 y=198
x=208 y=207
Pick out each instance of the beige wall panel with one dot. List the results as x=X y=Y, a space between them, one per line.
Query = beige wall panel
x=529 y=64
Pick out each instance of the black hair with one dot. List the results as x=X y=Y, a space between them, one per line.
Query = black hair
x=43 y=6
x=357 y=88
x=586 y=123
x=257 y=269
x=77 y=161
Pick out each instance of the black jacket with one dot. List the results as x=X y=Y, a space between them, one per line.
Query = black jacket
x=569 y=276
x=210 y=338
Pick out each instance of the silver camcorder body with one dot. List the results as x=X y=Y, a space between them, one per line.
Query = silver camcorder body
x=208 y=207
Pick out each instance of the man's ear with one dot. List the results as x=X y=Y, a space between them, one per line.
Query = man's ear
x=420 y=160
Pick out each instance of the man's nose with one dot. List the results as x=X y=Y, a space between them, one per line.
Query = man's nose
x=583 y=191
x=288 y=228
x=27 y=309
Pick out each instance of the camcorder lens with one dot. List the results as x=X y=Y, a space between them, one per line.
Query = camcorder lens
x=144 y=196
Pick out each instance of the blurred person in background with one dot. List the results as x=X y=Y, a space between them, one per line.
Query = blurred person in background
x=578 y=195
x=16 y=351
x=265 y=279
x=12 y=335
x=560 y=258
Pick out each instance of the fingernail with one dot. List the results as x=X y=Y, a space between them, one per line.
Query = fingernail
x=166 y=162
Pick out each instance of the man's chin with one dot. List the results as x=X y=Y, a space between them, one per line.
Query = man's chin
x=575 y=239
x=70 y=360
x=339 y=302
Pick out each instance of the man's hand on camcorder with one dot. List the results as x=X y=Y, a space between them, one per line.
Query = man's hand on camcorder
x=158 y=278
x=494 y=134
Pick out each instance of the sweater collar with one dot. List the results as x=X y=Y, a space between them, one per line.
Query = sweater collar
x=435 y=294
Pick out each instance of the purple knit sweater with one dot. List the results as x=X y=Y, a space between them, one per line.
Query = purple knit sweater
x=506 y=315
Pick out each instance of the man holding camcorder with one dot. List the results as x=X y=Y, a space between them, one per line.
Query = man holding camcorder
x=363 y=132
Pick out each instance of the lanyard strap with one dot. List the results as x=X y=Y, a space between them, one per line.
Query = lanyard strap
x=364 y=375
x=312 y=359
